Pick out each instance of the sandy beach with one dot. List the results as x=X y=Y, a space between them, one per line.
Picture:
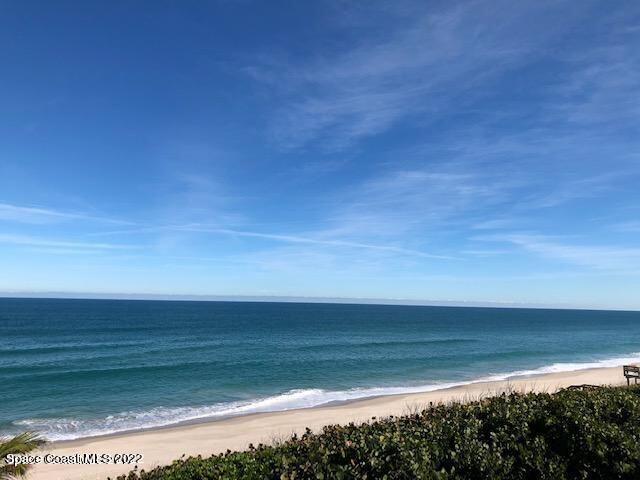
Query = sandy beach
x=162 y=446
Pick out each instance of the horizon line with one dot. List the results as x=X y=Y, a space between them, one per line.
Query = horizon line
x=300 y=299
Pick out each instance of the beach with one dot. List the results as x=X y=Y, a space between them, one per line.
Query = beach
x=320 y=240
x=86 y=368
x=163 y=445
x=164 y=379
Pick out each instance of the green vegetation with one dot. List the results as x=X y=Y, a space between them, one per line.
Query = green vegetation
x=20 y=444
x=573 y=434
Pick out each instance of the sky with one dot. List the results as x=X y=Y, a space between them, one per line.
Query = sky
x=477 y=151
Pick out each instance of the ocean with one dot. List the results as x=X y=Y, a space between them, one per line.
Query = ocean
x=78 y=368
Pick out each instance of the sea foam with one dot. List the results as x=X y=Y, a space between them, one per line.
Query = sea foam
x=56 y=429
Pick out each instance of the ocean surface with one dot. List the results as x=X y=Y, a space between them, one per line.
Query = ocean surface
x=76 y=368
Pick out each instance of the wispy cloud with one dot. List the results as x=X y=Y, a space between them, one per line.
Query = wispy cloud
x=417 y=65
x=606 y=257
x=192 y=191
x=579 y=188
x=603 y=88
x=38 y=215
x=401 y=202
x=429 y=64
x=282 y=238
x=317 y=241
x=631 y=226
x=31 y=241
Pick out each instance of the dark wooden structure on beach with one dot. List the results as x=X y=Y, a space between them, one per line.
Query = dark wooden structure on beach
x=631 y=371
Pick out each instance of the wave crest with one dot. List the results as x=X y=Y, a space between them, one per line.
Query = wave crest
x=55 y=429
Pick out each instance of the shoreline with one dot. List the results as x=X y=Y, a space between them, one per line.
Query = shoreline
x=371 y=392
x=161 y=445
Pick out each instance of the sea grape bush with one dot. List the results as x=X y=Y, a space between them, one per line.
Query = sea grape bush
x=588 y=434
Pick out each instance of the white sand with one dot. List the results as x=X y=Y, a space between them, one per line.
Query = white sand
x=162 y=446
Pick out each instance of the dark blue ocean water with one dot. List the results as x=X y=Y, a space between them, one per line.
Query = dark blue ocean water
x=72 y=368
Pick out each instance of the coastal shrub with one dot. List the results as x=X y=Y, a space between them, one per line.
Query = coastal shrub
x=572 y=434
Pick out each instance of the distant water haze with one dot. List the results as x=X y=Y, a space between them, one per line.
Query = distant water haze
x=299 y=299
x=77 y=368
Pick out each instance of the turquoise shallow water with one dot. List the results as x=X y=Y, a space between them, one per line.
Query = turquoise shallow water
x=74 y=368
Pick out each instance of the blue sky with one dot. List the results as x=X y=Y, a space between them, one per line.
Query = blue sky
x=484 y=151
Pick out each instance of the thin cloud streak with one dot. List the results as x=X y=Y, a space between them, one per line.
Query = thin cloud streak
x=25 y=240
x=613 y=258
x=296 y=239
x=331 y=243
x=631 y=226
x=37 y=215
